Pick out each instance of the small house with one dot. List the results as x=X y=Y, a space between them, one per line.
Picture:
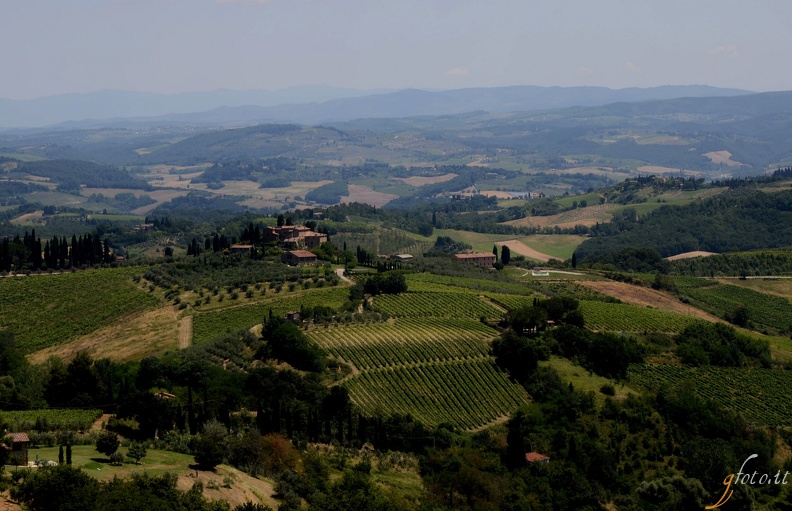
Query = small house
x=19 y=446
x=241 y=249
x=297 y=257
x=537 y=458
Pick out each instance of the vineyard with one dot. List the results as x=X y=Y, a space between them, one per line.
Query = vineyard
x=216 y=323
x=439 y=305
x=511 y=302
x=466 y=393
x=436 y=369
x=419 y=281
x=50 y=420
x=760 y=395
x=405 y=341
x=765 y=309
x=620 y=317
x=45 y=310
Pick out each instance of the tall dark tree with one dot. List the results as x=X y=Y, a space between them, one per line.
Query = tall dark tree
x=107 y=443
x=505 y=255
x=515 y=442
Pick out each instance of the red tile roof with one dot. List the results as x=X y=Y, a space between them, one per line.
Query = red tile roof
x=533 y=457
x=302 y=253
x=18 y=437
x=476 y=255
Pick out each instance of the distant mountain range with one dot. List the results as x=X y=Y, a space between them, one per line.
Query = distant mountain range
x=316 y=104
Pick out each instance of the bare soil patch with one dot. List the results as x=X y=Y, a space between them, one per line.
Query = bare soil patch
x=426 y=180
x=101 y=421
x=646 y=297
x=6 y=504
x=243 y=488
x=722 y=158
x=366 y=195
x=523 y=249
x=28 y=217
x=128 y=338
x=690 y=255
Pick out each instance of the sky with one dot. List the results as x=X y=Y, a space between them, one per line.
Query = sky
x=51 y=47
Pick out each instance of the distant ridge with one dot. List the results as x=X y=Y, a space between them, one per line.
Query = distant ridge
x=311 y=105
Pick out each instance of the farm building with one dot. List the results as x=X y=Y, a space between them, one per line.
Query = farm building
x=535 y=457
x=19 y=446
x=479 y=258
x=294 y=236
x=314 y=239
x=402 y=257
x=296 y=257
x=241 y=249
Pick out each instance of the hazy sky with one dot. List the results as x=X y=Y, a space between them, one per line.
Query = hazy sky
x=58 y=46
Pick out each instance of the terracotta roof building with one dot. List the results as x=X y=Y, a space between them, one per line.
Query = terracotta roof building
x=295 y=257
x=19 y=447
x=480 y=258
x=535 y=457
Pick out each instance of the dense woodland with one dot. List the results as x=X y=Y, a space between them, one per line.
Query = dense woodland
x=738 y=220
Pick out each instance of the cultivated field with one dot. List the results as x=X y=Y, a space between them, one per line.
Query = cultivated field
x=760 y=395
x=690 y=255
x=722 y=158
x=216 y=323
x=621 y=317
x=131 y=337
x=440 y=305
x=423 y=180
x=646 y=297
x=50 y=420
x=435 y=370
x=48 y=310
x=588 y=216
x=518 y=248
x=366 y=195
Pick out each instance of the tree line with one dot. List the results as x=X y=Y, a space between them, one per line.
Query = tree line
x=57 y=253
